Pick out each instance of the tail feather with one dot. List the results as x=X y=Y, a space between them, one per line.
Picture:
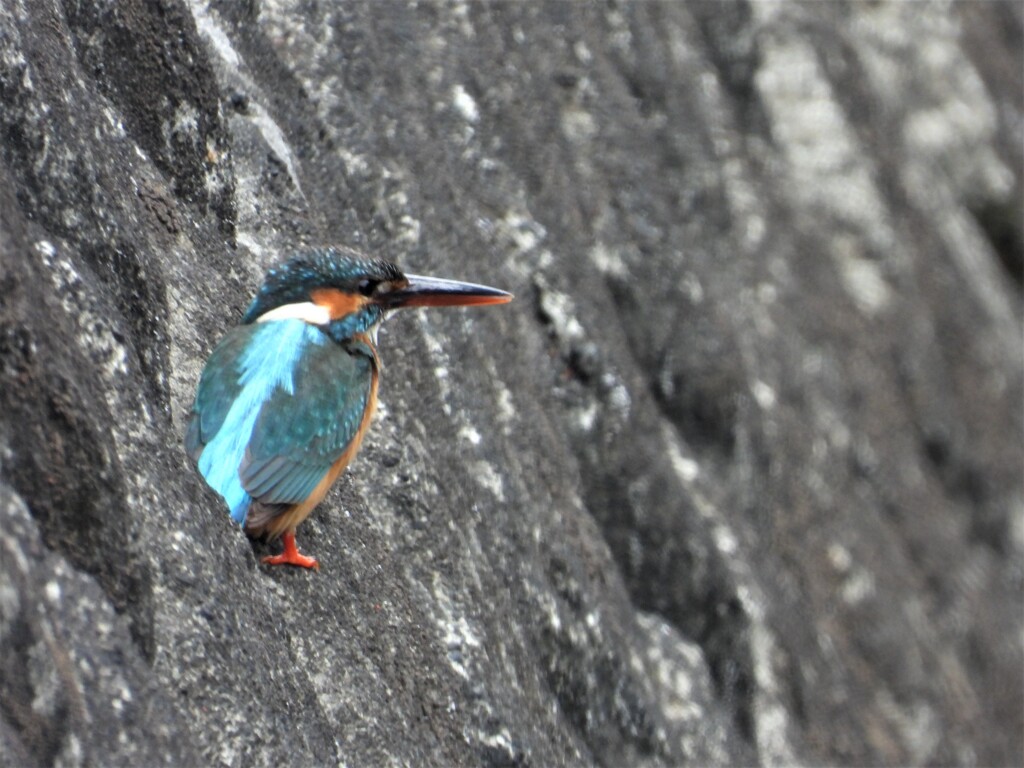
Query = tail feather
x=240 y=511
x=193 y=441
x=261 y=516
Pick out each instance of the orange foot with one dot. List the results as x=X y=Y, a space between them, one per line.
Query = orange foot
x=291 y=555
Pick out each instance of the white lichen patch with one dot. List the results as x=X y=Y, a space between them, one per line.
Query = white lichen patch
x=507 y=413
x=608 y=260
x=618 y=394
x=586 y=416
x=10 y=604
x=560 y=310
x=865 y=283
x=501 y=740
x=920 y=729
x=857 y=582
x=43 y=678
x=858 y=586
x=487 y=477
x=822 y=153
x=95 y=331
x=763 y=394
x=672 y=664
x=355 y=164
x=405 y=226
x=691 y=287
x=52 y=591
x=113 y=121
x=951 y=119
x=72 y=752
x=621 y=36
x=470 y=434
x=839 y=556
x=523 y=235
x=459 y=10
x=209 y=26
x=527 y=233
x=458 y=636
x=725 y=539
x=578 y=125
x=685 y=468
x=582 y=52
x=465 y=105
x=274 y=137
x=439 y=356
x=247 y=241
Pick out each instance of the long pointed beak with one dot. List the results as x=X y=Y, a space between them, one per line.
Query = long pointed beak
x=435 y=292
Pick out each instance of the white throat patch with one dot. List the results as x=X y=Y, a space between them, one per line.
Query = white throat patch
x=311 y=313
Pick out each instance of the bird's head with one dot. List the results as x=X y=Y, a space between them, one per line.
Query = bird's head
x=340 y=288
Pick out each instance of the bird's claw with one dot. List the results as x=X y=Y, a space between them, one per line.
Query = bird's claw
x=302 y=561
x=291 y=555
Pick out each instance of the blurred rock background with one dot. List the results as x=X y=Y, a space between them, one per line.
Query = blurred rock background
x=736 y=479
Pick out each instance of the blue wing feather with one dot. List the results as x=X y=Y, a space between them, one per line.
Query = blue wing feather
x=218 y=388
x=298 y=436
x=277 y=404
x=272 y=472
x=256 y=429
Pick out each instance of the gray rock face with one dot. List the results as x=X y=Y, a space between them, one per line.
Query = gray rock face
x=735 y=479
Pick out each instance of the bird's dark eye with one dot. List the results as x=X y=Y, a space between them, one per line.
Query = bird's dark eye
x=367 y=287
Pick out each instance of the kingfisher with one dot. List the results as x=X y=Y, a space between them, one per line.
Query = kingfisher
x=286 y=397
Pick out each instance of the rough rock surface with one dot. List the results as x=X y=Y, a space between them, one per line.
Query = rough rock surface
x=736 y=479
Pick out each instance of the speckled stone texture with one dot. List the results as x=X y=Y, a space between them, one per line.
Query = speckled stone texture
x=737 y=478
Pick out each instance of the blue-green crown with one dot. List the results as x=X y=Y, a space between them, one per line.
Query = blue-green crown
x=339 y=267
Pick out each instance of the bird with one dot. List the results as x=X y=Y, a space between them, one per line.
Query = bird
x=286 y=397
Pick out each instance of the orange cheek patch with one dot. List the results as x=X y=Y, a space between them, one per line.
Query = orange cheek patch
x=338 y=303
